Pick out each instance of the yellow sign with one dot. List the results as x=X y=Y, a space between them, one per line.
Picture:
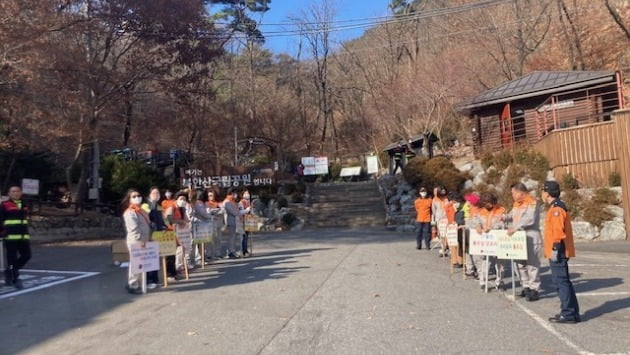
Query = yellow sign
x=252 y=223
x=167 y=241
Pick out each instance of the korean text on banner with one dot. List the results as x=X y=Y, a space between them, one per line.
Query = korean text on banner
x=451 y=235
x=185 y=238
x=482 y=244
x=144 y=259
x=511 y=247
x=167 y=241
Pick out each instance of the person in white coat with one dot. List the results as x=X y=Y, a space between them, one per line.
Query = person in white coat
x=138 y=227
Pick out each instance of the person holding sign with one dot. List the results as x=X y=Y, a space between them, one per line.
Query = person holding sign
x=438 y=209
x=138 y=227
x=558 y=248
x=233 y=216
x=490 y=216
x=154 y=210
x=245 y=206
x=179 y=217
x=216 y=210
x=423 y=218
x=525 y=215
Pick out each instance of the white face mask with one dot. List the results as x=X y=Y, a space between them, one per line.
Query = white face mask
x=423 y=194
x=246 y=196
x=181 y=203
x=136 y=200
x=168 y=195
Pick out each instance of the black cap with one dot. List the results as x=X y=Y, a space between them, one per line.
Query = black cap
x=552 y=188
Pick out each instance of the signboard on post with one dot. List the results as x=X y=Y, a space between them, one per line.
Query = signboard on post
x=167 y=242
x=202 y=233
x=185 y=237
x=511 y=247
x=441 y=227
x=30 y=186
x=315 y=165
x=144 y=259
x=372 y=164
x=451 y=235
x=252 y=223
x=482 y=244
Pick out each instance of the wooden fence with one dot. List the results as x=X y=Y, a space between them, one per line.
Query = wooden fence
x=622 y=130
x=588 y=152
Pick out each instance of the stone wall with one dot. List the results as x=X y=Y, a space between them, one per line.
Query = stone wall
x=83 y=227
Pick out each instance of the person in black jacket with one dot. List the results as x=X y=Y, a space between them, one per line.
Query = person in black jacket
x=14 y=230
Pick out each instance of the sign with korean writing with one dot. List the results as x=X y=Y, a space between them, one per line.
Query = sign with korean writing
x=167 y=241
x=252 y=223
x=309 y=165
x=451 y=234
x=30 y=186
x=482 y=244
x=144 y=259
x=315 y=165
x=226 y=181
x=185 y=237
x=202 y=232
x=511 y=247
x=372 y=164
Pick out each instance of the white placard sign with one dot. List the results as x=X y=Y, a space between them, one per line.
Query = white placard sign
x=309 y=165
x=185 y=237
x=372 y=164
x=30 y=186
x=482 y=244
x=144 y=259
x=321 y=165
x=451 y=235
x=350 y=171
x=511 y=247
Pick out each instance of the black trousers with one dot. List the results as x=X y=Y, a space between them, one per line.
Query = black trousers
x=18 y=254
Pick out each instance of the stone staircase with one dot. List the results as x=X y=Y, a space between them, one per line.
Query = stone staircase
x=345 y=205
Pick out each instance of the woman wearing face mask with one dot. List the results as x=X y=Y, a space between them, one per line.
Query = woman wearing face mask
x=233 y=213
x=154 y=210
x=179 y=217
x=216 y=210
x=245 y=207
x=439 y=213
x=202 y=218
x=423 y=218
x=167 y=203
x=490 y=216
x=138 y=227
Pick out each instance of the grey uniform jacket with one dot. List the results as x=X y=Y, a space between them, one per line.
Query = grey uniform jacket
x=527 y=218
x=232 y=211
x=137 y=226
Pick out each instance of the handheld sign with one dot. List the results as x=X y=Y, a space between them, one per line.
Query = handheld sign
x=202 y=233
x=252 y=223
x=167 y=242
x=511 y=247
x=185 y=237
x=451 y=235
x=144 y=259
x=482 y=244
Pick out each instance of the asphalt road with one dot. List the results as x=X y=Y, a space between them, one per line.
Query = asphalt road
x=314 y=292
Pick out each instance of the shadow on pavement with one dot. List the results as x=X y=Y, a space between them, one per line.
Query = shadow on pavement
x=607 y=307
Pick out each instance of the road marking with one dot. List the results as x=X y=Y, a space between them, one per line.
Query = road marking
x=55 y=280
x=600 y=265
x=547 y=326
x=602 y=293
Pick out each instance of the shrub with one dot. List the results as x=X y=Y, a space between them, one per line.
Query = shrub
x=569 y=182
x=604 y=196
x=334 y=170
x=537 y=164
x=596 y=214
x=515 y=173
x=297 y=197
x=289 y=189
x=493 y=177
x=300 y=187
x=574 y=202
x=433 y=172
x=614 y=179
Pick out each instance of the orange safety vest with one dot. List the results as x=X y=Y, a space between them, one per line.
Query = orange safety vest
x=423 y=209
x=558 y=228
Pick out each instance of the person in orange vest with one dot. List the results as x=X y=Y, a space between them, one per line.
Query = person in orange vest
x=14 y=230
x=423 y=218
x=491 y=216
x=167 y=202
x=525 y=216
x=559 y=248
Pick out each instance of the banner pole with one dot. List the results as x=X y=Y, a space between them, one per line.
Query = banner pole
x=164 y=275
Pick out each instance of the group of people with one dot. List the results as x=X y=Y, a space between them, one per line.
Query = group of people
x=190 y=211
x=482 y=213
